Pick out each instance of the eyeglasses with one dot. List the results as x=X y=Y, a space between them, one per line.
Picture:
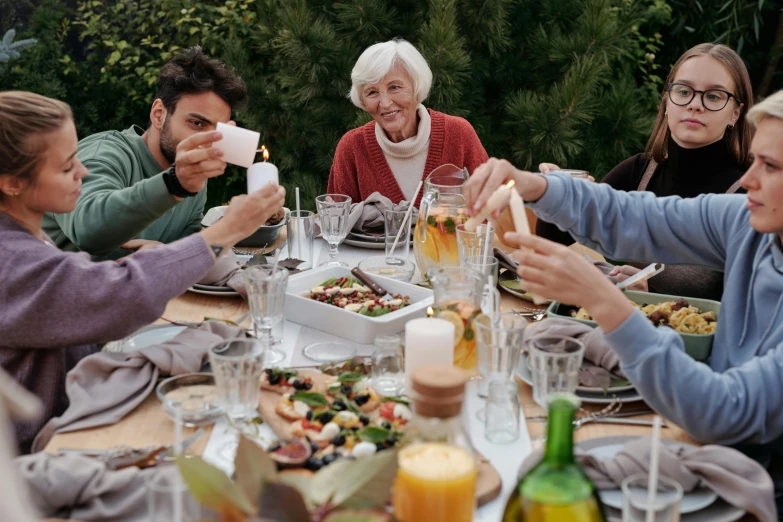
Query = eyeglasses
x=712 y=99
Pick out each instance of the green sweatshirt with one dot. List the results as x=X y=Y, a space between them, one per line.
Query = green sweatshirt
x=123 y=198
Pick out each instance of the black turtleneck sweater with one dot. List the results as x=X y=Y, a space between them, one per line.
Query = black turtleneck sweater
x=685 y=173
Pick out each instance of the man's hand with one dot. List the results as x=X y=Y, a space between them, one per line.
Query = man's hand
x=197 y=160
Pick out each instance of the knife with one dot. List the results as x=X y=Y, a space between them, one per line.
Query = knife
x=629 y=422
x=645 y=274
x=362 y=276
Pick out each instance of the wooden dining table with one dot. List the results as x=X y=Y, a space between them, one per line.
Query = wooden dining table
x=148 y=424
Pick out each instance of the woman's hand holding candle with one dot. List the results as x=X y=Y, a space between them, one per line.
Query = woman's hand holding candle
x=498 y=199
x=489 y=176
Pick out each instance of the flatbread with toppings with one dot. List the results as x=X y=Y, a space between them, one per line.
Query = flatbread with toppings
x=283 y=380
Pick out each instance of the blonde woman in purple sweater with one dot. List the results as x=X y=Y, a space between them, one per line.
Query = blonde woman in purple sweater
x=56 y=307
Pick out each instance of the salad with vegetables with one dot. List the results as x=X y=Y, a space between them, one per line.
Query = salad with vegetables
x=350 y=295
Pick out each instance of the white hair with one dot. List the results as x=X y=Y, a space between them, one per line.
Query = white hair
x=771 y=107
x=377 y=60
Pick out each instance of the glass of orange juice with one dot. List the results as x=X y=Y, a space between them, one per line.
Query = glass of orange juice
x=437 y=469
x=458 y=292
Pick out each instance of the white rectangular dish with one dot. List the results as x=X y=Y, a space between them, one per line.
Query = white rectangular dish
x=351 y=325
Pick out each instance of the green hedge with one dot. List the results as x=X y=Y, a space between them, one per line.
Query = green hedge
x=570 y=81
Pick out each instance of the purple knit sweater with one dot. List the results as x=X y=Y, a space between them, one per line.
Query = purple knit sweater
x=57 y=307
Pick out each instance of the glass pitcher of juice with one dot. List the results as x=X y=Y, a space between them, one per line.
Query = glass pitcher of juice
x=437 y=469
x=442 y=209
x=458 y=293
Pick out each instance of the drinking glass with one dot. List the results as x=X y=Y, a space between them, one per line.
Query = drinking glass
x=554 y=361
x=168 y=498
x=266 y=286
x=499 y=341
x=501 y=424
x=333 y=210
x=392 y=224
x=387 y=366
x=666 y=507
x=488 y=267
x=238 y=365
x=474 y=243
x=300 y=230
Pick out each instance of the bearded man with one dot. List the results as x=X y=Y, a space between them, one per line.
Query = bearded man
x=147 y=187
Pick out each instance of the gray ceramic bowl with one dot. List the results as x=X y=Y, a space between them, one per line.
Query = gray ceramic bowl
x=264 y=236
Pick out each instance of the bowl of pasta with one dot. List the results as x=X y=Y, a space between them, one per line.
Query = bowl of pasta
x=694 y=319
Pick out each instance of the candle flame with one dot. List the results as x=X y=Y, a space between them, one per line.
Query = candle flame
x=265 y=153
x=430 y=311
x=511 y=183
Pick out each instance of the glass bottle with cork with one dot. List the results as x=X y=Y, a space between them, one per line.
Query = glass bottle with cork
x=436 y=477
x=556 y=489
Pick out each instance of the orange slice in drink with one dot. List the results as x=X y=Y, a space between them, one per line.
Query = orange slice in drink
x=456 y=320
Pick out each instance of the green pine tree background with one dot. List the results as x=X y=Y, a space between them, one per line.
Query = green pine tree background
x=574 y=82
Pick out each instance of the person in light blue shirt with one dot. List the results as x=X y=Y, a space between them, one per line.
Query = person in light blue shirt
x=737 y=397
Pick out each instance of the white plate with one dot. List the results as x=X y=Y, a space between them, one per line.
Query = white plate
x=151 y=335
x=218 y=293
x=607 y=447
x=719 y=511
x=508 y=275
x=365 y=244
x=350 y=325
x=590 y=397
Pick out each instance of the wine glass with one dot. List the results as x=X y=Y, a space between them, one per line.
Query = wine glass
x=333 y=210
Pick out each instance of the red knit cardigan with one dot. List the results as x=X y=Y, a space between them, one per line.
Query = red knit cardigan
x=360 y=168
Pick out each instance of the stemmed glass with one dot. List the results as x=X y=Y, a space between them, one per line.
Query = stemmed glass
x=333 y=210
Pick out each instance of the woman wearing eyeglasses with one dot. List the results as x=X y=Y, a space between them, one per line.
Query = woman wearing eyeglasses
x=699 y=145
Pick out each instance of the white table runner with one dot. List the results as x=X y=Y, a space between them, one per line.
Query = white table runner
x=506 y=458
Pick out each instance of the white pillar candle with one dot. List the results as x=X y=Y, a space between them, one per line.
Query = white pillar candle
x=496 y=200
x=522 y=227
x=239 y=145
x=518 y=213
x=427 y=341
x=260 y=174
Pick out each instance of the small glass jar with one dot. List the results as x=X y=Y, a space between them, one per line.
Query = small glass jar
x=388 y=376
x=436 y=476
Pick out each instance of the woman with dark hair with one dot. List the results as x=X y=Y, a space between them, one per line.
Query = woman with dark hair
x=699 y=144
x=57 y=307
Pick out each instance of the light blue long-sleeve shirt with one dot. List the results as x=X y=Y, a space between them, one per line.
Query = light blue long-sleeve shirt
x=738 y=397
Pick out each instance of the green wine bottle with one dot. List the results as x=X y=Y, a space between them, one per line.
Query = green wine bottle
x=556 y=490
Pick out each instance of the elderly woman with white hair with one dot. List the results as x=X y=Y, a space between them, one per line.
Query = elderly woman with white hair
x=736 y=398
x=405 y=141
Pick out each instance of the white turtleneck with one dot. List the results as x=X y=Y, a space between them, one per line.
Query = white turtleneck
x=407 y=158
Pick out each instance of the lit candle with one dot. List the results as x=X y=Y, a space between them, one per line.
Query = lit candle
x=238 y=145
x=427 y=341
x=260 y=174
x=496 y=200
x=521 y=225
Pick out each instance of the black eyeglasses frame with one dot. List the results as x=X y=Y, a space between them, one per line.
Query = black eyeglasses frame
x=669 y=87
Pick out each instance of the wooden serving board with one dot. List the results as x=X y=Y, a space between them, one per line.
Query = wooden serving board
x=488 y=483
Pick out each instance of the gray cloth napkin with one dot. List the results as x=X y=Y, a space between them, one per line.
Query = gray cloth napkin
x=226 y=272
x=506 y=261
x=83 y=488
x=104 y=387
x=367 y=215
x=597 y=350
x=736 y=478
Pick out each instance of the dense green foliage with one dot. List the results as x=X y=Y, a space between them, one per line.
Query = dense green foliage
x=570 y=81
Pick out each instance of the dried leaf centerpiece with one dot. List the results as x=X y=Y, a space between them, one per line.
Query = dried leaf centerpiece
x=345 y=491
